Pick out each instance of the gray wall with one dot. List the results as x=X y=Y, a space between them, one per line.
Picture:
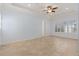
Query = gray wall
x=64 y=18
x=19 y=24
x=0 y=23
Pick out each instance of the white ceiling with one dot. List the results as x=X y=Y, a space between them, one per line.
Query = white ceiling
x=39 y=7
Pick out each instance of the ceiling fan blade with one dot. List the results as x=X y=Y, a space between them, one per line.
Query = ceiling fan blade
x=55 y=8
x=53 y=11
x=44 y=10
x=47 y=12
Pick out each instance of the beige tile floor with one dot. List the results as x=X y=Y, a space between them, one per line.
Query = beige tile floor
x=45 y=46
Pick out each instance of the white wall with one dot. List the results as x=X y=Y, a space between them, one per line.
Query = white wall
x=0 y=23
x=19 y=24
x=59 y=20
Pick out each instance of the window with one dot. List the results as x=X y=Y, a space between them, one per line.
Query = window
x=69 y=27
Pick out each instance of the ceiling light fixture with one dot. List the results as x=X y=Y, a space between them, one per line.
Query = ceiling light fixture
x=67 y=8
x=50 y=9
x=29 y=5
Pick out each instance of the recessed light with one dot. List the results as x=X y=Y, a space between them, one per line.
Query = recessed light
x=67 y=8
x=29 y=5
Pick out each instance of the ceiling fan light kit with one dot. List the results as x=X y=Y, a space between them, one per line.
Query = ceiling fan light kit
x=51 y=9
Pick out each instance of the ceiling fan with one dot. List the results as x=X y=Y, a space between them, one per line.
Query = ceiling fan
x=50 y=9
